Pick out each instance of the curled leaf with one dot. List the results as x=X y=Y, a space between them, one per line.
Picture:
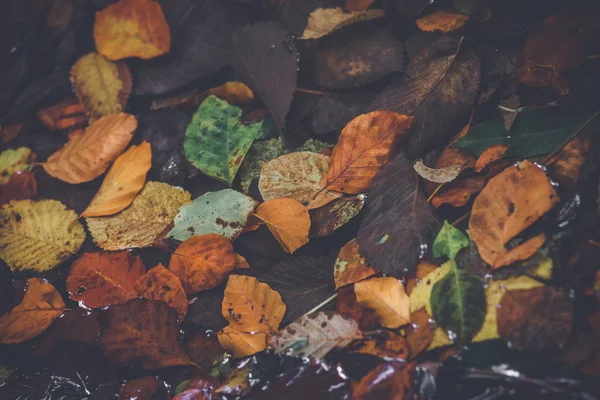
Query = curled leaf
x=288 y=220
x=323 y=21
x=387 y=298
x=442 y=175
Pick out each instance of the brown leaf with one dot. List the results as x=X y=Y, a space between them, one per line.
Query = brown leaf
x=140 y=389
x=346 y=304
x=390 y=380
x=350 y=267
x=288 y=220
x=489 y=155
x=204 y=349
x=66 y=114
x=325 y=220
x=21 y=185
x=40 y=307
x=442 y=20
x=235 y=93
x=323 y=21
x=509 y=203
x=459 y=192
x=387 y=298
x=161 y=284
x=387 y=345
x=88 y=156
x=8 y=133
x=568 y=162
x=423 y=269
x=522 y=251
x=439 y=175
x=419 y=333
x=358 y=5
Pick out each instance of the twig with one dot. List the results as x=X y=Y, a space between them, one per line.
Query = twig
x=437 y=189
x=461 y=219
x=320 y=305
x=309 y=91
x=581 y=128
x=502 y=108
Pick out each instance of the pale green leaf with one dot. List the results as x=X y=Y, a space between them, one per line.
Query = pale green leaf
x=449 y=242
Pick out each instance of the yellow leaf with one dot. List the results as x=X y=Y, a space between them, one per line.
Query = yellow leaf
x=387 y=298
x=38 y=235
x=122 y=183
x=13 y=160
x=242 y=344
x=442 y=20
x=288 y=220
x=323 y=21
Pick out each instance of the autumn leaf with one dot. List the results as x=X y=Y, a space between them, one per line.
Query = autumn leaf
x=459 y=192
x=216 y=142
x=66 y=114
x=346 y=305
x=440 y=175
x=22 y=185
x=391 y=379
x=87 y=156
x=224 y=212
x=442 y=20
x=142 y=332
x=449 y=242
x=162 y=284
x=387 y=298
x=234 y=93
x=323 y=21
x=203 y=262
x=146 y=387
x=358 y=5
x=13 y=160
x=288 y=220
x=386 y=345
x=40 y=307
x=489 y=155
x=38 y=235
x=123 y=182
x=509 y=203
x=98 y=279
x=419 y=333
x=332 y=216
x=350 y=267
x=132 y=28
x=242 y=344
x=138 y=225
x=102 y=86
x=567 y=166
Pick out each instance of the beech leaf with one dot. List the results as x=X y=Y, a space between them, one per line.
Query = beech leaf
x=242 y=344
x=288 y=220
x=161 y=284
x=323 y=21
x=350 y=267
x=22 y=185
x=385 y=296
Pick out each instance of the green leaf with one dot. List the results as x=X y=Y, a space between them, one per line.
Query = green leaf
x=458 y=303
x=465 y=6
x=181 y=387
x=534 y=133
x=13 y=160
x=224 y=212
x=216 y=142
x=449 y=242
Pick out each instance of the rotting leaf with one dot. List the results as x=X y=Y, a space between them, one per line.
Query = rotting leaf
x=385 y=296
x=566 y=167
x=325 y=220
x=386 y=345
x=442 y=20
x=449 y=242
x=346 y=304
x=13 y=160
x=489 y=155
x=288 y=220
x=161 y=284
x=350 y=267
x=323 y=21
x=441 y=175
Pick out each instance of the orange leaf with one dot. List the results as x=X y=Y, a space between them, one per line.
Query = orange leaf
x=568 y=162
x=241 y=262
x=346 y=304
x=358 y=5
x=387 y=298
x=87 y=156
x=459 y=192
x=288 y=220
x=242 y=344
x=40 y=307
x=489 y=155
x=521 y=252
x=419 y=333
x=132 y=28
x=21 y=185
x=509 y=203
x=161 y=284
x=203 y=262
x=386 y=345
x=123 y=182
x=98 y=279
x=350 y=266
x=442 y=20
x=68 y=113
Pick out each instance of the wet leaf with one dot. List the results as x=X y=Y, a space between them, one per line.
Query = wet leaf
x=509 y=203
x=216 y=142
x=441 y=175
x=419 y=333
x=397 y=220
x=237 y=382
x=389 y=380
x=139 y=224
x=459 y=192
x=332 y=216
x=122 y=183
x=234 y=93
x=132 y=28
x=323 y=21
x=288 y=220
x=346 y=304
x=350 y=267
x=13 y=160
x=442 y=20
x=161 y=284
x=242 y=344
x=38 y=235
x=204 y=349
x=143 y=332
x=315 y=335
x=358 y=5
x=449 y=242
x=570 y=159
x=387 y=298
x=22 y=185
x=102 y=86
x=489 y=155
x=87 y=156
x=224 y=212
x=386 y=345
x=40 y=307
x=146 y=388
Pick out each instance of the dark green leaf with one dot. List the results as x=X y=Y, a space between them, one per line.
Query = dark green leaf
x=449 y=242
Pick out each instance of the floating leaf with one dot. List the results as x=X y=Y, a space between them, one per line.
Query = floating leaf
x=142 y=331
x=38 y=235
x=489 y=155
x=40 y=307
x=101 y=85
x=397 y=220
x=442 y=20
x=224 y=212
x=323 y=21
x=161 y=284
x=216 y=142
x=123 y=182
x=288 y=220
x=441 y=175
x=242 y=344
x=325 y=220
x=85 y=157
x=13 y=160
x=387 y=298
x=350 y=267
x=22 y=185
x=509 y=203
x=139 y=224
x=132 y=28
x=449 y=242
x=315 y=335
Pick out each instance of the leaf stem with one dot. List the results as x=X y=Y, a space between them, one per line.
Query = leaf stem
x=461 y=219
x=577 y=132
x=437 y=189
x=316 y=308
x=309 y=91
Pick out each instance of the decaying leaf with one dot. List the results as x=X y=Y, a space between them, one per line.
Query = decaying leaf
x=215 y=140
x=288 y=220
x=419 y=333
x=325 y=220
x=38 y=235
x=22 y=185
x=161 y=284
x=123 y=182
x=139 y=224
x=346 y=304
x=449 y=242
x=40 y=307
x=87 y=156
x=315 y=335
x=203 y=262
x=386 y=345
x=323 y=21
x=387 y=298
x=13 y=160
x=509 y=203
x=489 y=155
x=102 y=86
x=442 y=20
x=132 y=28
x=350 y=267
x=441 y=175
x=570 y=159
x=224 y=212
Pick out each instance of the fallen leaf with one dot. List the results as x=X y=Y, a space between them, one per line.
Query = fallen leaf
x=509 y=203
x=419 y=333
x=141 y=388
x=143 y=332
x=102 y=86
x=449 y=242
x=22 y=185
x=139 y=224
x=85 y=157
x=386 y=345
x=13 y=160
x=122 y=183
x=424 y=268
x=512 y=102
x=38 y=235
x=570 y=159
x=358 y=5
x=234 y=93
x=66 y=114
x=315 y=335
x=459 y=192
x=522 y=252
x=397 y=220
x=442 y=20
x=203 y=262
x=332 y=216
x=215 y=140
x=162 y=284
x=98 y=279
x=390 y=380
x=323 y=21
x=489 y=155
x=132 y=28
x=387 y=298
x=242 y=344
x=350 y=267
x=224 y=212
x=440 y=175
x=237 y=382
x=204 y=349
x=40 y=307
x=10 y=132
x=346 y=304
x=288 y=220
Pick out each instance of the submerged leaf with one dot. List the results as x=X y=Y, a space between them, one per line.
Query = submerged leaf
x=449 y=242
x=387 y=298
x=288 y=220
x=323 y=21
